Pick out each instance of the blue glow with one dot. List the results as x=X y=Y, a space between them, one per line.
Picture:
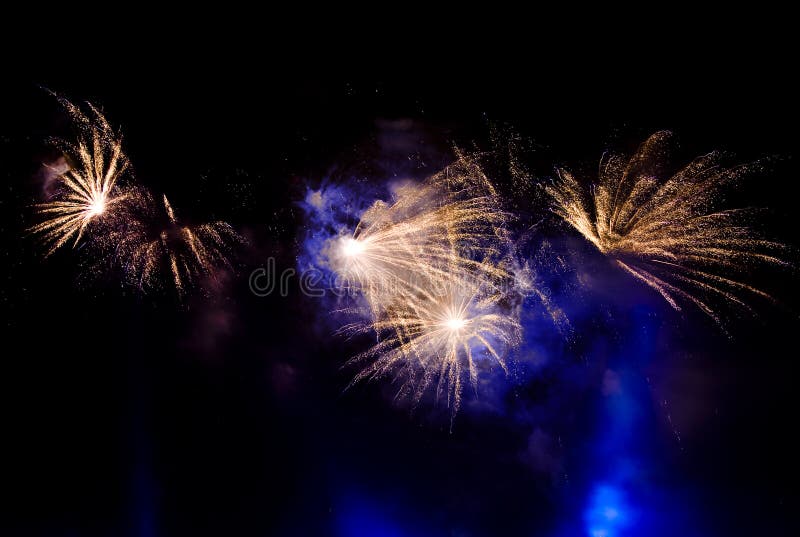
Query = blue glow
x=608 y=513
x=361 y=517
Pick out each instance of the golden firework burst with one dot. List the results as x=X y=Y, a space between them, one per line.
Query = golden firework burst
x=665 y=232
x=440 y=336
x=186 y=252
x=88 y=189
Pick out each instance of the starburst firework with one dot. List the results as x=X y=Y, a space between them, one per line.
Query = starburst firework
x=440 y=337
x=87 y=191
x=451 y=223
x=666 y=233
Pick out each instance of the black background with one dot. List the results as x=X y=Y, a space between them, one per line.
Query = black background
x=131 y=415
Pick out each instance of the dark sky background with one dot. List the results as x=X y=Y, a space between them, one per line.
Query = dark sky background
x=134 y=415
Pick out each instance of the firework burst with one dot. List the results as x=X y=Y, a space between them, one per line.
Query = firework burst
x=184 y=252
x=666 y=233
x=434 y=268
x=87 y=191
x=451 y=223
x=440 y=337
x=126 y=226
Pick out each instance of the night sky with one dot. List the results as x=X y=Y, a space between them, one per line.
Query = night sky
x=225 y=413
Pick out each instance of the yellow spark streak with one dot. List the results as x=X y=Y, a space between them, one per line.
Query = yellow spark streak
x=663 y=232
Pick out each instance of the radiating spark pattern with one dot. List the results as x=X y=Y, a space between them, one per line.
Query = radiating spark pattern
x=433 y=267
x=88 y=189
x=666 y=233
x=185 y=252
x=440 y=338
x=451 y=222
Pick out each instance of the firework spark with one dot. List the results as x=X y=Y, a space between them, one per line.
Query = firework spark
x=665 y=233
x=184 y=252
x=87 y=190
